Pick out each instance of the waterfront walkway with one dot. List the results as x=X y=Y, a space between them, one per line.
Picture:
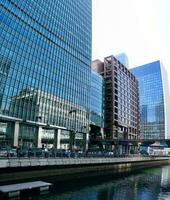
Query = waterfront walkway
x=15 y=169
x=35 y=162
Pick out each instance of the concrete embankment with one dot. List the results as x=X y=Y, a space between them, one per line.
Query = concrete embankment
x=67 y=168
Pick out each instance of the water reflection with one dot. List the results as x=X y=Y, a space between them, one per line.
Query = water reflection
x=151 y=184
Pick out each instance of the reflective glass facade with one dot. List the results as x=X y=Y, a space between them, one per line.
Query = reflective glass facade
x=151 y=100
x=122 y=57
x=45 y=58
x=96 y=110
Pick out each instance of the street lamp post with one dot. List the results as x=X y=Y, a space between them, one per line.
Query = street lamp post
x=73 y=133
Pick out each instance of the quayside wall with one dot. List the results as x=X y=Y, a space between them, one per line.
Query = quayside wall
x=68 y=168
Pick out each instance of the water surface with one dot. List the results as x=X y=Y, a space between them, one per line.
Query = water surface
x=150 y=184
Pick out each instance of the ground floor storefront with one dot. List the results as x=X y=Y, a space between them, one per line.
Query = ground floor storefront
x=15 y=133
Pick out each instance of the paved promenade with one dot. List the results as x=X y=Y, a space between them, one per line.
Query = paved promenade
x=33 y=162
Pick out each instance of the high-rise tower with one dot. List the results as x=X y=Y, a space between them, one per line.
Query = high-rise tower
x=121 y=104
x=45 y=52
x=152 y=101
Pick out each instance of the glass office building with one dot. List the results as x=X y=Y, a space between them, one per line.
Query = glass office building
x=122 y=57
x=152 y=102
x=96 y=109
x=45 y=71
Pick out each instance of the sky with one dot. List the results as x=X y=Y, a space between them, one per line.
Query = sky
x=139 y=28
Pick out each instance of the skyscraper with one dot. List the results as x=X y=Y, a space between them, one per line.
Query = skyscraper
x=96 y=109
x=45 y=52
x=122 y=57
x=152 y=100
x=121 y=105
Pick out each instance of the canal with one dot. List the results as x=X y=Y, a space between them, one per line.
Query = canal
x=149 y=184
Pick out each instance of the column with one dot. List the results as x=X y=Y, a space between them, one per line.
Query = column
x=59 y=139
x=55 y=138
x=102 y=132
x=16 y=134
x=39 y=136
x=87 y=140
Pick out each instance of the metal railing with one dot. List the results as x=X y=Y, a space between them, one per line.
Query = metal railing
x=59 y=153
